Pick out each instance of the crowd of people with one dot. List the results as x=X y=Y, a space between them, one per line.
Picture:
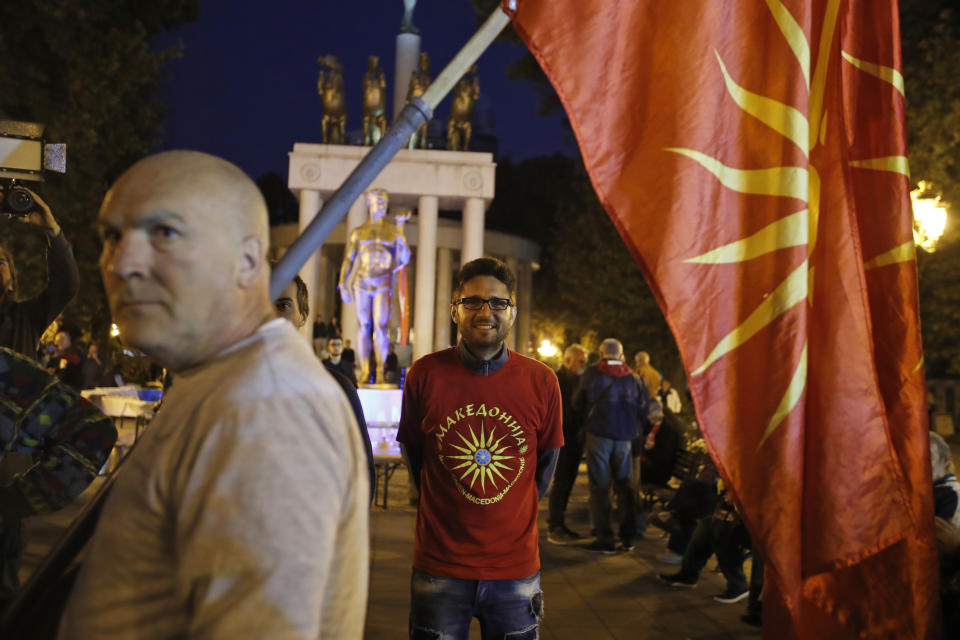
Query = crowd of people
x=626 y=422
x=243 y=511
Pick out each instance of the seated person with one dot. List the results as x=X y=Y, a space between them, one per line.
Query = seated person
x=946 y=489
x=696 y=498
x=722 y=533
x=946 y=508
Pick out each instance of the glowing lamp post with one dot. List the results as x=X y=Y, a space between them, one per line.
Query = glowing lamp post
x=547 y=349
x=114 y=330
x=929 y=218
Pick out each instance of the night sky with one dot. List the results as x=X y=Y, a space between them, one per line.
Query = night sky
x=245 y=88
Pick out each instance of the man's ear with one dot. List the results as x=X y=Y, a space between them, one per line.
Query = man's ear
x=513 y=316
x=250 y=262
x=453 y=313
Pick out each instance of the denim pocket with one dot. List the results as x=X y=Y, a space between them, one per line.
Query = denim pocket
x=530 y=633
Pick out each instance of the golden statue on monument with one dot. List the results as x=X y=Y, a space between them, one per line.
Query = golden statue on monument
x=330 y=88
x=465 y=95
x=375 y=251
x=419 y=81
x=374 y=102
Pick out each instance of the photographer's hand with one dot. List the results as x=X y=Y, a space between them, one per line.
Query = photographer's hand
x=43 y=218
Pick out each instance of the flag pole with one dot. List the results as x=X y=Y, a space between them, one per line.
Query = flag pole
x=413 y=116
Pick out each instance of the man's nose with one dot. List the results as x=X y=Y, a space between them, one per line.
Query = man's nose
x=127 y=256
x=485 y=311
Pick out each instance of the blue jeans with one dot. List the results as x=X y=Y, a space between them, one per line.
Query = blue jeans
x=442 y=608
x=605 y=458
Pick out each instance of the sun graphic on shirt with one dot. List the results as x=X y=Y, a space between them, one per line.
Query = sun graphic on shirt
x=482 y=458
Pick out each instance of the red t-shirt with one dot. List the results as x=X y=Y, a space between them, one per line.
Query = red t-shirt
x=479 y=437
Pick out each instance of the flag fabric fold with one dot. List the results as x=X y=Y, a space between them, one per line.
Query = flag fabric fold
x=752 y=155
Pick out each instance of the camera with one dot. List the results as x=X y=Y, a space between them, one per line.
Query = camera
x=17 y=201
x=24 y=158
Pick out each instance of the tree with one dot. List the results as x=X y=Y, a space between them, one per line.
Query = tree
x=529 y=194
x=598 y=286
x=588 y=286
x=87 y=71
x=940 y=309
x=930 y=31
x=282 y=205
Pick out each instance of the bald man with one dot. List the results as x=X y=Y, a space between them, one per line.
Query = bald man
x=242 y=511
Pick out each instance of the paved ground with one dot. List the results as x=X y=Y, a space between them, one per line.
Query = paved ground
x=587 y=596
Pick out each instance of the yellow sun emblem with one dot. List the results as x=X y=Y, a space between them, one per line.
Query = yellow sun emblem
x=806 y=131
x=482 y=458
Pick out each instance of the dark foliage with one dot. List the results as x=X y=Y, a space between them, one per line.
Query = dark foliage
x=88 y=72
x=281 y=203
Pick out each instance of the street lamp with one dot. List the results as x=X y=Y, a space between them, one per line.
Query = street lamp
x=114 y=330
x=929 y=217
x=547 y=349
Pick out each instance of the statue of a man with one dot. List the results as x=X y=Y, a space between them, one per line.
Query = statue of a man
x=407 y=25
x=459 y=126
x=375 y=251
x=419 y=82
x=330 y=88
x=374 y=102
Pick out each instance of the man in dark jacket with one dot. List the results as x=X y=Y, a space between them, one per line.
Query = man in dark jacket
x=337 y=362
x=615 y=404
x=568 y=462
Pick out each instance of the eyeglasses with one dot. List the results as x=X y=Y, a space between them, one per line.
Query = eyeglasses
x=474 y=303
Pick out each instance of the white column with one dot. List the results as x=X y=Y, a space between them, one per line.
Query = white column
x=321 y=298
x=524 y=306
x=310 y=204
x=441 y=325
x=348 y=318
x=473 y=214
x=426 y=276
x=330 y=285
x=512 y=336
x=407 y=56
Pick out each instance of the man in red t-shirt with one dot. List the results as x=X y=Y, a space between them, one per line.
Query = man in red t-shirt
x=480 y=428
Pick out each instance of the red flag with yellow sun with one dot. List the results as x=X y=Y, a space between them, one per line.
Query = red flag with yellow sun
x=752 y=155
